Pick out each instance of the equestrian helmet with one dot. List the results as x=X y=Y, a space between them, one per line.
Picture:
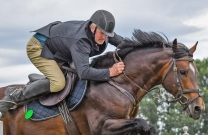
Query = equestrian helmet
x=105 y=22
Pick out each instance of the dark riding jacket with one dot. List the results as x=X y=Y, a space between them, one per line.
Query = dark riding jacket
x=73 y=41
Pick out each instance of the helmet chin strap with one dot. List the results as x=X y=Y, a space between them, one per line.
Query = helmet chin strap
x=94 y=33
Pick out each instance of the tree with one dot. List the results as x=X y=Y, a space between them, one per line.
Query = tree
x=202 y=67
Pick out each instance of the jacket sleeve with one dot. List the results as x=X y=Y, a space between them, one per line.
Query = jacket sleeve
x=80 y=54
x=116 y=40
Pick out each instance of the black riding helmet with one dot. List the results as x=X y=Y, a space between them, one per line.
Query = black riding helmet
x=104 y=21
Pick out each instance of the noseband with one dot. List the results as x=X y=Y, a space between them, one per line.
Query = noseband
x=181 y=91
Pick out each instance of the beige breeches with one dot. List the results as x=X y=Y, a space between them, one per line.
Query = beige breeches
x=47 y=66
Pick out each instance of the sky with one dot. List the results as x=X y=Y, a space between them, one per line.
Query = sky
x=185 y=20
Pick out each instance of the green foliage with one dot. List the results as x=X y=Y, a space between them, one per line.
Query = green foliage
x=170 y=118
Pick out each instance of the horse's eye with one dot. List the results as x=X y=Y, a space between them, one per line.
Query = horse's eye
x=182 y=72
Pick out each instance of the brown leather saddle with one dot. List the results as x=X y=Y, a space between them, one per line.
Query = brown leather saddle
x=54 y=98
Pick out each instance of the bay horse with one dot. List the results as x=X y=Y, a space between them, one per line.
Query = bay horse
x=110 y=108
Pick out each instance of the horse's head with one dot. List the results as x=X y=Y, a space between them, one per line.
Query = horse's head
x=180 y=79
x=148 y=57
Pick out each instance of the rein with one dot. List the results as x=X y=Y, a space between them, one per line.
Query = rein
x=122 y=90
x=178 y=96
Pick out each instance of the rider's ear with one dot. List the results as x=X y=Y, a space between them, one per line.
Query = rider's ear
x=193 y=48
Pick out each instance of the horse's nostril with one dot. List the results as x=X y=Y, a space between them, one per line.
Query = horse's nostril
x=197 y=108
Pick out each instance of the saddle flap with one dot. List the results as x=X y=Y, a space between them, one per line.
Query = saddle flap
x=54 y=98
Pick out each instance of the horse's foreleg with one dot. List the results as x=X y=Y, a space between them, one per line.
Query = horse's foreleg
x=152 y=131
x=127 y=126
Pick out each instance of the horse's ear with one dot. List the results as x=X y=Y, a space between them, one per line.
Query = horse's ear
x=168 y=51
x=193 y=48
x=175 y=43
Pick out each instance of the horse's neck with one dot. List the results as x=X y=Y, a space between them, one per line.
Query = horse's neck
x=143 y=71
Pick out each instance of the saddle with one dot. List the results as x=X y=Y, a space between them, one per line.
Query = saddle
x=55 y=98
x=69 y=98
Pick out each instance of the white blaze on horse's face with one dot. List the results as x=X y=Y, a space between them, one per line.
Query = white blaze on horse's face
x=191 y=66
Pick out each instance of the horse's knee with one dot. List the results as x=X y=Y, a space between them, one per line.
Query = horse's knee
x=142 y=124
x=146 y=129
x=153 y=129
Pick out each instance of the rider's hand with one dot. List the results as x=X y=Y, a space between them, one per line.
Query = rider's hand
x=116 y=69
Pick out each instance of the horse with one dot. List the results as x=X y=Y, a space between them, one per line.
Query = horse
x=111 y=107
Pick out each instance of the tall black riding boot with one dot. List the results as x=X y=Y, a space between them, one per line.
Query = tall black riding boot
x=14 y=96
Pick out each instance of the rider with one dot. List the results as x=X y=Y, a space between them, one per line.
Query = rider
x=72 y=41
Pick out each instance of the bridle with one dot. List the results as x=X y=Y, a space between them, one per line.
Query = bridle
x=181 y=91
x=178 y=96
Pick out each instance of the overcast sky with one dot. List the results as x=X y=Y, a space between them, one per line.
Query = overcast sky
x=185 y=20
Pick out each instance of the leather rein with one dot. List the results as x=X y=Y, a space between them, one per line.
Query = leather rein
x=178 y=96
x=122 y=90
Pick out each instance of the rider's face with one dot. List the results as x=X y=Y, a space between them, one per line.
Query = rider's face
x=100 y=37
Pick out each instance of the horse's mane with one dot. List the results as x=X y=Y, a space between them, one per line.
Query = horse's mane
x=139 y=40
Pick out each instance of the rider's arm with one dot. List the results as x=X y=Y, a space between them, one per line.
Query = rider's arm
x=80 y=54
